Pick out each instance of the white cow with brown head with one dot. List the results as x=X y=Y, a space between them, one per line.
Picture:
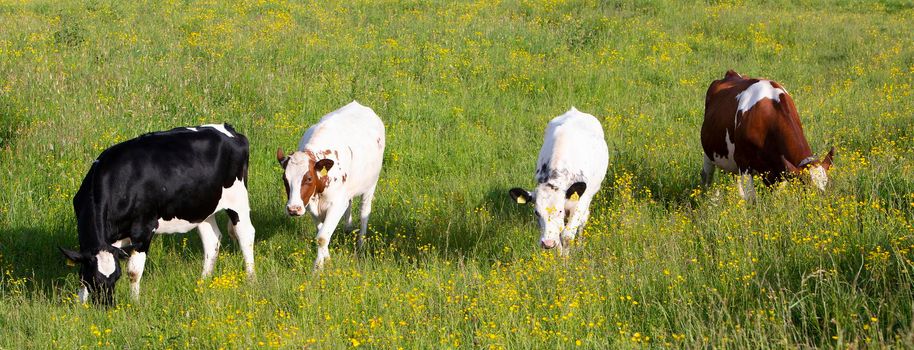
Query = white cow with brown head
x=337 y=159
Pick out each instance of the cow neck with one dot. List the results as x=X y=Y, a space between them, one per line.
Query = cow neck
x=793 y=142
x=90 y=221
x=92 y=244
x=91 y=236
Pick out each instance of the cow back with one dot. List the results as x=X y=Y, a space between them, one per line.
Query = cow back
x=176 y=173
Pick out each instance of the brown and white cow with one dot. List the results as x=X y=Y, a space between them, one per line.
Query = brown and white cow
x=752 y=127
x=338 y=158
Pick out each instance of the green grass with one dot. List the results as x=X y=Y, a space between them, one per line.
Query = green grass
x=465 y=90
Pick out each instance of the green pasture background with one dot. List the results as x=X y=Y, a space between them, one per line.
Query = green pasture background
x=465 y=90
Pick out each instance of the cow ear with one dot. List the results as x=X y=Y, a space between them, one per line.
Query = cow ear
x=281 y=157
x=73 y=257
x=322 y=166
x=826 y=162
x=575 y=191
x=520 y=195
x=787 y=165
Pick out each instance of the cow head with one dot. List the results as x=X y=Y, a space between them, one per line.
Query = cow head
x=815 y=168
x=98 y=272
x=304 y=176
x=550 y=203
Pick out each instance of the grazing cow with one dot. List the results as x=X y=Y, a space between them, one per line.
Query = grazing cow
x=162 y=182
x=752 y=127
x=570 y=169
x=337 y=159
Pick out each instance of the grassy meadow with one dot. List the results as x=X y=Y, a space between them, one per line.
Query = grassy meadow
x=465 y=90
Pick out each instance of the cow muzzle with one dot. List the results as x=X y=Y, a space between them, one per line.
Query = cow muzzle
x=548 y=243
x=295 y=210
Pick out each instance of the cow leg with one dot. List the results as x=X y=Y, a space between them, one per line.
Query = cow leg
x=245 y=232
x=210 y=236
x=575 y=222
x=745 y=186
x=83 y=294
x=135 y=266
x=707 y=172
x=325 y=231
x=318 y=220
x=231 y=230
x=140 y=239
x=583 y=221
x=568 y=233
x=364 y=213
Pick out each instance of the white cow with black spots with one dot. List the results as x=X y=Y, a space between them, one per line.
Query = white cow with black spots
x=570 y=169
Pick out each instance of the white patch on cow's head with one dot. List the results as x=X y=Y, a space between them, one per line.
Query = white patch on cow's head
x=549 y=206
x=818 y=176
x=756 y=92
x=106 y=263
x=727 y=162
x=220 y=127
x=295 y=171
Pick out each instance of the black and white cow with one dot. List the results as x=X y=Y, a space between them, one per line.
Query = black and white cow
x=162 y=182
x=569 y=172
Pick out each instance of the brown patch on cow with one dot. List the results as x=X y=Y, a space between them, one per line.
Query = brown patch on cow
x=312 y=183
x=309 y=181
x=344 y=178
x=766 y=133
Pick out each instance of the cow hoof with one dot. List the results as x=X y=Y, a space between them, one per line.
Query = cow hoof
x=320 y=263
